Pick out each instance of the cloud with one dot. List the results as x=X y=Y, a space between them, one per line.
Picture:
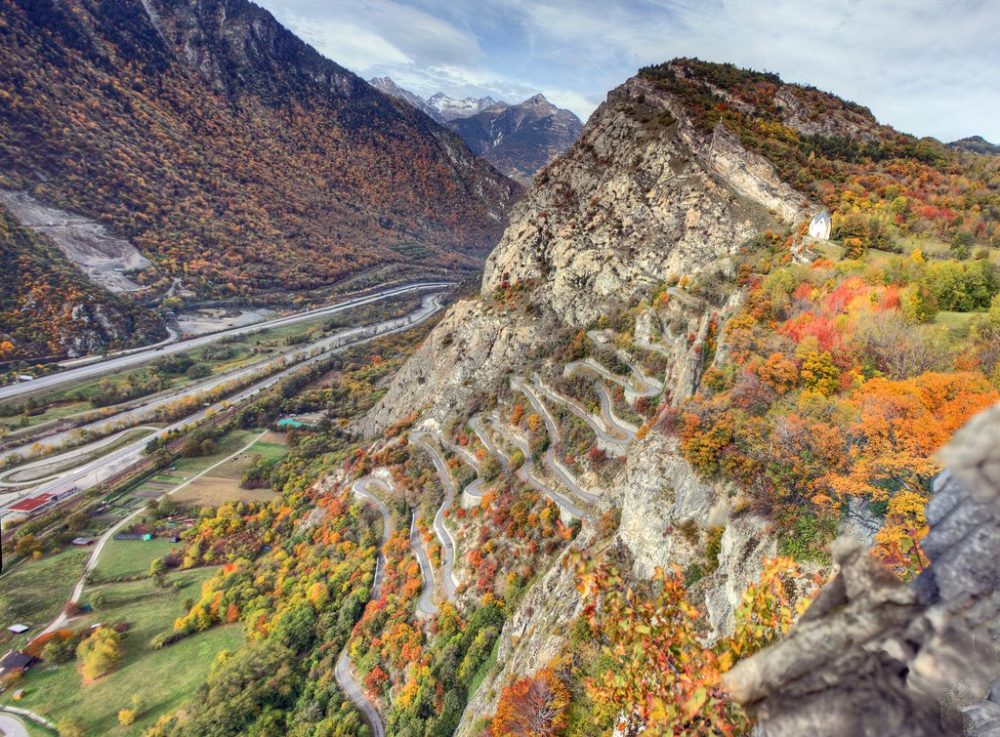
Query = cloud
x=348 y=45
x=925 y=66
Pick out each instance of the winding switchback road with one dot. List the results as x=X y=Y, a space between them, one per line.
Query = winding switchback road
x=474 y=489
x=549 y=457
x=649 y=386
x=526 y=473
x=527 y=470
x=147 y=354
x=345 y=677
x=476 y=423
x=448 y=584
x=425 y=603
x=609 y=431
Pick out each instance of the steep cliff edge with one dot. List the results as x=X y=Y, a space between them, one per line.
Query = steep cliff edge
x=876 y=656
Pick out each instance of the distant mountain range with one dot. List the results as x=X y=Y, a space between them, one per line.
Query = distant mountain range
x=977 y=145
x=517 y=139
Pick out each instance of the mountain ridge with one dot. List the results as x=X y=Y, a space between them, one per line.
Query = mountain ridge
x=231 y=153
x=518 y=139
x=976 y=145
x=655 y=246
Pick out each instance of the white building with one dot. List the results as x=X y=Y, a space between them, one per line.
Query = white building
x=821 y=225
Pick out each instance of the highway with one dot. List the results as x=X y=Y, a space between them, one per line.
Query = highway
x=144 y=355
x=94 y=472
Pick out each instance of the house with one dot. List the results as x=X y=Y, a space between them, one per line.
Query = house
x=15 y=661
x=19 y=629
x=821 y=226
x=82 y=541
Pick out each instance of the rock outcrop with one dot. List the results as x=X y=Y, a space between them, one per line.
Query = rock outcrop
x=874 y=656
x=637 y=200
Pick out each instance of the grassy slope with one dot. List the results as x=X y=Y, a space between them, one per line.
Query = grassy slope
x=122 y=558
x=35 y=591
x=163 y=679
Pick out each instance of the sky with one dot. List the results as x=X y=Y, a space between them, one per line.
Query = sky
x=927 y=67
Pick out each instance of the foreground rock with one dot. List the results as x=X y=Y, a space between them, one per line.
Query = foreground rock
x=874 y=656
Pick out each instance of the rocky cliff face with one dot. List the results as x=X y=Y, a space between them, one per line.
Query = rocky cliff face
x=640 y=198
x=650 y=201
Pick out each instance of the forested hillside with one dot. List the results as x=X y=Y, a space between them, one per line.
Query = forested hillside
x=48 y=308
x=227 y=150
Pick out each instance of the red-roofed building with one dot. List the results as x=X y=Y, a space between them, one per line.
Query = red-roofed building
x=30 y=506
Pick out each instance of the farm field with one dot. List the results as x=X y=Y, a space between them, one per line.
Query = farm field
x=122 y=558
x=223 y=483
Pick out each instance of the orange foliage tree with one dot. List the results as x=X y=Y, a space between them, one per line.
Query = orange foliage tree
x=533 y=706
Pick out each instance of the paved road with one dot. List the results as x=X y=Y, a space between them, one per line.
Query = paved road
x=643 y=387
x=425 y=602
x=461 y=452
x=610 y=432
x=102 y=541
x=549 y=458
x=476 y=423
x=343 y=673
x=172 y=336
x=474 y=488
x=448 y=547
x=527 y=474
x=625 y=427
x=615 y=430
x=11 y=726
x=145 y=355
x=92 y=473
x=527 y=470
